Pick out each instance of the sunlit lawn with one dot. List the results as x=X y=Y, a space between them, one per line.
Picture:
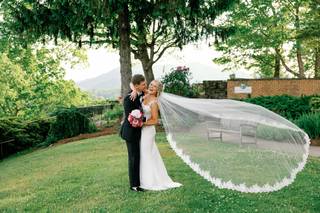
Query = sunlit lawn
x=91 y=175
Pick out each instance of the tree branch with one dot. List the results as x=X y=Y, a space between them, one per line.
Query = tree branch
x=163 y=50
x=96 y=42
x=172 y=40
x=285 y=65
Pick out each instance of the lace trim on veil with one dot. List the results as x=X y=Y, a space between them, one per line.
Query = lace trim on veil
x=241 y=187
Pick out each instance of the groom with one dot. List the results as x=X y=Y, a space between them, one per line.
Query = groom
x=131 y=134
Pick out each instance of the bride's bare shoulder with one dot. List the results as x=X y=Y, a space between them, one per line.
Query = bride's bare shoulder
x=153 y=98
x=154 y=102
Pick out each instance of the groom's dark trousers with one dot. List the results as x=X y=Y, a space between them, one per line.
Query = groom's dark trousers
x=132 y=137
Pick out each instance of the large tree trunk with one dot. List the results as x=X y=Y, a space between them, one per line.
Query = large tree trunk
x=148 y=71
x=300 y=61
x=298 y=44
x=276 y=73
x=317 y=63
x=146 y=65
x=147 y=62
x=124 y=50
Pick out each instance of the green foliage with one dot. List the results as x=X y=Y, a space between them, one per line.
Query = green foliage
x=259 y=39
x=25 y=133
x=315 y=104
x=14 y=87
x=276 y=134
x=168 y=23
x=69 y=123
x=113 y=115
x=178 y=82
x=310 y=123
x=290 y=107
x=31 y=80
x=155 y=26
x=303 y=111
x=160 y=25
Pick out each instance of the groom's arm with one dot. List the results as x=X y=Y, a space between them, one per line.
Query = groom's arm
x=128 y=105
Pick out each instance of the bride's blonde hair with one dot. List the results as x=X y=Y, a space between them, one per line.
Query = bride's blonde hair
x=160 y=88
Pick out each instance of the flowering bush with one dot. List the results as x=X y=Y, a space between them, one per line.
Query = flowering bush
x=182 y=68
x=178 y=82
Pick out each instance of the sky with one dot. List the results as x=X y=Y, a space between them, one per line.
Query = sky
x=100 y=61
x=193 y=55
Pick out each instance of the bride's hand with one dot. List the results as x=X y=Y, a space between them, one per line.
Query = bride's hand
x=133 y=95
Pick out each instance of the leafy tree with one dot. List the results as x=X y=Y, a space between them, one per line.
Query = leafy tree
x=160 y=25
x=31 y=81
x=148 y=28
x=268 y=38
x=310 y=34
x=13 y=87
x=82 y=22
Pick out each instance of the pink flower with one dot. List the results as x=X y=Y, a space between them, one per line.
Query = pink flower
x=135 y=118
x=182 y=68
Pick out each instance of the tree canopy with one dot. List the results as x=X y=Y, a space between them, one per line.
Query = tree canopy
x=31 y=79
x=274 y=38
x=145 y=27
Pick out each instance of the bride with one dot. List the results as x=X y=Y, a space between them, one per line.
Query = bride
x=153 y=173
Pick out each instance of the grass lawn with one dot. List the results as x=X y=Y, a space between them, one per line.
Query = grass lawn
x=91 y=176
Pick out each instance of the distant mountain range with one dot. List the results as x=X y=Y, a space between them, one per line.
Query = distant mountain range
x=108 y=84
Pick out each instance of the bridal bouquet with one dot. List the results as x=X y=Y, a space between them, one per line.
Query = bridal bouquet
x=135 y=118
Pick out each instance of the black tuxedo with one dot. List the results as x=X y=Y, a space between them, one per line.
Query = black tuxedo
x=127 y=132
x=132 y=137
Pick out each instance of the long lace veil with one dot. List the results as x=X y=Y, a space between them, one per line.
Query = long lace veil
x=233 y=144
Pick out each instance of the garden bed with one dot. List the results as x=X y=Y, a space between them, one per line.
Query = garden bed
x=315 y=142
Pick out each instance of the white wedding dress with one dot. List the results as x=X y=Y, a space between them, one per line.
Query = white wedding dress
x=153 y=173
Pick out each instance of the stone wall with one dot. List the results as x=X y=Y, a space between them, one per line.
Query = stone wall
x=215 y=89
x=272 y=87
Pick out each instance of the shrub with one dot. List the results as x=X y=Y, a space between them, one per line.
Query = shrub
x=25 y=133
x=287 y=106
x=69 y=123
x=113 y=115
x=275 y=134
x=315 y=104
x=178 y=82
x=310 y=123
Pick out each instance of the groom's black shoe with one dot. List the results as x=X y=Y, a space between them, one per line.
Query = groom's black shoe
x=136 y=189
x=140 y=189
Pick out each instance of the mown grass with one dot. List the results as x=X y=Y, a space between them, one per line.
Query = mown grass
x=91 y=176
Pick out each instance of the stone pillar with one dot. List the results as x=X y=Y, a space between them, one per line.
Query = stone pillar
x=215 y=89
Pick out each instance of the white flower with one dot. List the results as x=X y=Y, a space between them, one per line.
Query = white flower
x=136 y=113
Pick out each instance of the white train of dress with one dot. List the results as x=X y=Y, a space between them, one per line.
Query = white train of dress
x=153 y=173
